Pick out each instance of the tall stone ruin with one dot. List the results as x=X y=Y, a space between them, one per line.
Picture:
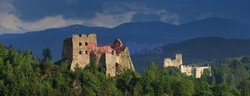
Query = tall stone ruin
x=80 y=50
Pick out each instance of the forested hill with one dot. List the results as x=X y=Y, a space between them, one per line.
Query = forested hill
x=23 y=74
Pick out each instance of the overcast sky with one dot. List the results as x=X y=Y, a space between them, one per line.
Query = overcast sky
x=29 y=15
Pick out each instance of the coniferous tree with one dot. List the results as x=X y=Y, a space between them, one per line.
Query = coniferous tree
x=47 y=54
x=245 y=88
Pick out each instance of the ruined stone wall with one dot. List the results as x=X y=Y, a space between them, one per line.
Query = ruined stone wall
x=200 y=70
x=175 y=62
x=110 y=62
x=116 y=64
x=188 y=70
x=125 y=60
x=196 y=71
x=67 y=49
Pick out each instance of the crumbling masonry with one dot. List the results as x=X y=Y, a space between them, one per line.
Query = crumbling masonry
x=80 y=50
x=196 y=71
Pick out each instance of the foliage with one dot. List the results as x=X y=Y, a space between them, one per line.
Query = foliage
x=23 y=74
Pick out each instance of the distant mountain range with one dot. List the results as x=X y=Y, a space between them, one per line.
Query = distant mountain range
x=149 y=33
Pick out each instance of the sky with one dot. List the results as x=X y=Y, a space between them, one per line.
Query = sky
x=18 y=16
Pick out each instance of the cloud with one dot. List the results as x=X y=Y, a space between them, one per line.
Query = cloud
x=95 y=9
x=50 y=22
x=185 y=10
x=11 y=23
x=111 y=15
x=167 y=17
x=149 y=14
x=7 y=19
x=17 y=16
x=110 y=20
x=108 y=14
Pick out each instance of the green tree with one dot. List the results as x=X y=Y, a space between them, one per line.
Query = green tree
x=1 y=45
x=202 y=88
x=173 y=71
x=109 y=88
x=137 y=89
x=127 y=81
x=47 y=54
x=245 y=88
x=183 y=87
x=223 y=90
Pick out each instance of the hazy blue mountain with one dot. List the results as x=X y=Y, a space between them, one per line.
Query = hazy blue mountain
x=215 y=27
x=134 y=32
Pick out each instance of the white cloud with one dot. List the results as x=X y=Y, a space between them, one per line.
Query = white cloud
x=163 y=14
x=50 y=22
x=7 y=19
x=167 y=17
x=11 y=23
x=110 y=20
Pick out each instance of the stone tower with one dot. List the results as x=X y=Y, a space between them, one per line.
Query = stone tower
x=81 y=49
x=178 y=58
x=75 y=49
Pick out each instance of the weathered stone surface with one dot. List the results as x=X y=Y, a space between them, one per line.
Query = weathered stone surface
x=81 y=49
x=196 y=71
x=175 y=62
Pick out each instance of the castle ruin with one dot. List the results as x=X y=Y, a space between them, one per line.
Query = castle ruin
x=80 y=50
x=176 y=62
x=195 y=71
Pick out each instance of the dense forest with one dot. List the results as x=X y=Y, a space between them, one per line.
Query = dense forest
x=23 y=74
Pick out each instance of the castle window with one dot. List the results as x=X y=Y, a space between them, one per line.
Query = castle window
x=86 y=52
x=80 y=52
x=86 y=43
x=80 y=44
